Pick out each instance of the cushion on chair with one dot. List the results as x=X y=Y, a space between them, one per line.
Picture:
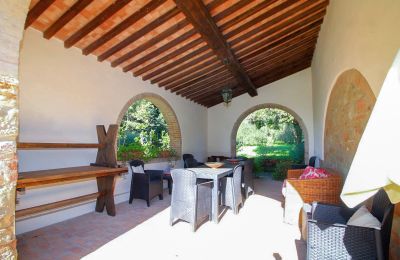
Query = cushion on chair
x=363 y=218
x=313 y=173
x=138 y=169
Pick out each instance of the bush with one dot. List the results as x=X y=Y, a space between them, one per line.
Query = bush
x=281 y=169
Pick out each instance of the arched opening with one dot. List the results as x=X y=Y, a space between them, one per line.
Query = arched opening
x=272 y=134
x=149 y=129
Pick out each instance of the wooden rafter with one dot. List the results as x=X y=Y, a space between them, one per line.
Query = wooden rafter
x=66 y=17
x=97 y=21
x=36 y=11
x=197 y=13
x=133 y=18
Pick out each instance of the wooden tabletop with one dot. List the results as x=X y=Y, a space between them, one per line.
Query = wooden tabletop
x=35 y=178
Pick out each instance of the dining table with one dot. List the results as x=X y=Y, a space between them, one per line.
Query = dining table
x=214 y=174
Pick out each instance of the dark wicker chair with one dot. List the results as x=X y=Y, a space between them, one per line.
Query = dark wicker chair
x=247 y=178
x=146 y=185
x=191 y=161
x=329 y=237
x=190 y=201
x=231 y=190
x=311 y=162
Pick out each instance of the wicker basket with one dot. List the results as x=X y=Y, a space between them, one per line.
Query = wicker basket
x=326 y=190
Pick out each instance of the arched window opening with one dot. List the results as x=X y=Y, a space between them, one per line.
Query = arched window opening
x=144 y=133
x=274 y=138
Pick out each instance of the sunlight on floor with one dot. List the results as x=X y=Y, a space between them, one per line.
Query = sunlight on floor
x=256 y=233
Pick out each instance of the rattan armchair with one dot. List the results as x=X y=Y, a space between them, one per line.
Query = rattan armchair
x=190 y=201
x=298 y=192
x=145 y=185
x=231 y=190
x=329 y=236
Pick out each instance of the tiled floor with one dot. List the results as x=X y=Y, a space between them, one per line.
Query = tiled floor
x=138 y=232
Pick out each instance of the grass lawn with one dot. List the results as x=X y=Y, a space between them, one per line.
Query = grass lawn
x=274 y=152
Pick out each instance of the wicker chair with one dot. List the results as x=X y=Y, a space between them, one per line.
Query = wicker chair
x=146 y=185
x=231 y=190
x=298 y=192
x=190 y=202
x=329 y=237
x=247 y=178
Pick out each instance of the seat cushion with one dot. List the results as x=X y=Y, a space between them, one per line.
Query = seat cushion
x=138 y=169
x=313 y=173
x=363 y=218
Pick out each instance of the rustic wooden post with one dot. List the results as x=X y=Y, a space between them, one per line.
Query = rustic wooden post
x=106 y=155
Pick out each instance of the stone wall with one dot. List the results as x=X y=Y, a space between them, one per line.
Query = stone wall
x=350 y=104
x=12 y=19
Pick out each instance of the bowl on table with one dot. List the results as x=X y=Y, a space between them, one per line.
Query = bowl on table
x=214 y=165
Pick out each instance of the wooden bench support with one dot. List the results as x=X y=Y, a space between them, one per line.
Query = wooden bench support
x=106 y=186
x=54 y=206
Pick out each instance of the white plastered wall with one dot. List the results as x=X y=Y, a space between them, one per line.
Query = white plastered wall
x=63 y=96
x=293 y=92
x=360 y=34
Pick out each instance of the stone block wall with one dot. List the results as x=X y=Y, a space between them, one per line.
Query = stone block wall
x=12 y=19
x=350 y=104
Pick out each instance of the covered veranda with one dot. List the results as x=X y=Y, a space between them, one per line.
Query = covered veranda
x=68 y=66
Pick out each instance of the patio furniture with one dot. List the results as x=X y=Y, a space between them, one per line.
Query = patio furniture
x=204 y=173
x=314 y=160
x=329 y=236
x=190 y=201
x=145 y=185
x=189 y=161
x=247 y=178
x=298 y=192
x=168 y=178
x=231 y=190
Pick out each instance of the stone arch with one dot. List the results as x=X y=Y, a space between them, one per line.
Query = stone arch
x=350 y=104
x=270 y=105
x=174 y=130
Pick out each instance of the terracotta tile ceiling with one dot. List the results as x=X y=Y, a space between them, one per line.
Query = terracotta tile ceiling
x=193 y=48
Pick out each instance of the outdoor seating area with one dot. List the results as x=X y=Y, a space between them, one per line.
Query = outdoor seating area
x=201 y=129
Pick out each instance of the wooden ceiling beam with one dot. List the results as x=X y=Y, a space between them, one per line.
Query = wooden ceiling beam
x=287 y=41
x=224 y=79
x=125 y=24
x=200 y=18
x=196 y=76
x=275 y=61
x=190 y=83
x=227 y=25
x=181 y=61
x=217 y=18
x=37 y=11
x=153 y=41
x=162 y=49
x=66 y=18
x=193 y=63
x=276 y=26
x=205 y=82
x=95 y=22
x=192 y=73
x=138 y=34
x=237 y=92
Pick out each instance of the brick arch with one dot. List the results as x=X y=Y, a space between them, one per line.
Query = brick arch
x=174 y=130
x=350 y=104
x=269 y=105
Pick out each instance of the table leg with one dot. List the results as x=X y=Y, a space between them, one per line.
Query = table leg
x=105 y=199
x=215 y=204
